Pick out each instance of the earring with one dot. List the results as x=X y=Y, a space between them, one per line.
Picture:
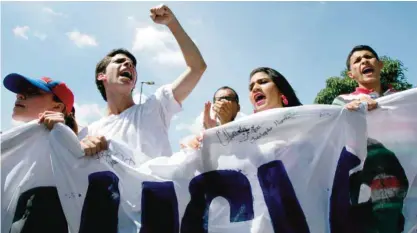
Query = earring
x=284 y=100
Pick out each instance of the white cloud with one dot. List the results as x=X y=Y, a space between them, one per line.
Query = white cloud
x=52 y=12
x=40 y=36
x=159 y=42
x=21 y=31
x=170 y=58
x=193 y=128
x=152 y=39
x=175 y=117
x=136 y=97
x=81 y=40
x=88 y=113
x=187 y=127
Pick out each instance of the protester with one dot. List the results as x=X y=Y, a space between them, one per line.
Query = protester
x=226 y=107
x=49 y=102
x=44 y=99
x=364 y=67
x=382 y=172
x=144 y=126
x=268 y=89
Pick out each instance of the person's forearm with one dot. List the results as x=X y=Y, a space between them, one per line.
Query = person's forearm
x=196 y=66
x=191 y=54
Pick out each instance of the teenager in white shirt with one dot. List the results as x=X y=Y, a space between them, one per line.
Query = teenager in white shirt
x=143 y=127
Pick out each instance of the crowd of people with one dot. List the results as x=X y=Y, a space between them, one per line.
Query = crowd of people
x=144 y=126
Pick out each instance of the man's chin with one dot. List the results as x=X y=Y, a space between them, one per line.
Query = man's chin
x=127 y=85
x=370 y=79
x=122 y=86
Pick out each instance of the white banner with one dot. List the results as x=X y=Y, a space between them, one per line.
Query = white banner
x=26 y=166
x=285 y=170
x=296 y=163
x=394 y=125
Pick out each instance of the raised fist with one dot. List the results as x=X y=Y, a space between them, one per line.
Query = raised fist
x=162 y=14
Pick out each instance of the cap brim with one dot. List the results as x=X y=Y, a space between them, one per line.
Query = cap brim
x=15 y=83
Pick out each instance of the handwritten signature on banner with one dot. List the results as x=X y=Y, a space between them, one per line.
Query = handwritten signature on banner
x=288 y=116
x=250 y=133
x=107 y=157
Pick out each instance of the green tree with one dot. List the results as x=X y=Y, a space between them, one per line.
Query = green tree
x=391 y=74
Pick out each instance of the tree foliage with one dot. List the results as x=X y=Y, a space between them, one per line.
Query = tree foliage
x=392 y=74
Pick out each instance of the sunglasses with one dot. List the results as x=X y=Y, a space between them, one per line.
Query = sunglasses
x=228 y=98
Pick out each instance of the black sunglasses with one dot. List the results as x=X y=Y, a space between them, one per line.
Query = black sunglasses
x=228 y=98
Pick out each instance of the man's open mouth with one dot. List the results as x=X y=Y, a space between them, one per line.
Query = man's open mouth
x=126 y=74
x=367 y=70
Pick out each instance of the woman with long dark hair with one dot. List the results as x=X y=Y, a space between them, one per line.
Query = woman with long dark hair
x=269 y=89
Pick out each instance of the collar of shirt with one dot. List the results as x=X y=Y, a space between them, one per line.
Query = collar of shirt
x=373 y=94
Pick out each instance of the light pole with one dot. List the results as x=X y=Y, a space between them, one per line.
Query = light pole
x=141 y=87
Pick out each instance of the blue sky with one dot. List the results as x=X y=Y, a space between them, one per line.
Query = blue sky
x=306 y=41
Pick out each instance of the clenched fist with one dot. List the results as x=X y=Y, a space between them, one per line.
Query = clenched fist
x=225 y=110
x=93 y=145
x=50 y=118
x=354 y=105
x=162 y=15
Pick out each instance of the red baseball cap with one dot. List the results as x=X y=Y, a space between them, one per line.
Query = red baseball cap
x=14 y=82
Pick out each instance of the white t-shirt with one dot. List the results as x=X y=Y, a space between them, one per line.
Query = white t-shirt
x=143 y=127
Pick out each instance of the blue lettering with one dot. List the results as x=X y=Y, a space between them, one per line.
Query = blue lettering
x=159 y=208
x=231 y=185
x=283 y=206
x=101 y=204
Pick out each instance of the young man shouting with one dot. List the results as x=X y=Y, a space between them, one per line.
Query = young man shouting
x=382 y=172
x=143 y=127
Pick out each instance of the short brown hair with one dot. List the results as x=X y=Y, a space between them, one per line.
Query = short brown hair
x=103 y=63
x=360 y=48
